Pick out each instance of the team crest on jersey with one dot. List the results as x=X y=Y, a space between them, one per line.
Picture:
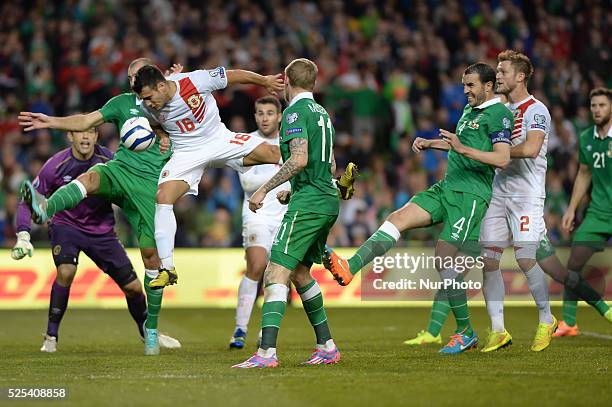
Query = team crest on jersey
x=517 y=113
x=253 y=238
x=161 y=117
x=57 y=249
x=506 y=123
x=165 y=173
x=292 y=118
x=194 y=101
x=134 y=112
x=473 y=124
x=610 y=149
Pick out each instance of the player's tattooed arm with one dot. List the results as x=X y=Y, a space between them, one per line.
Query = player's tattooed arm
x=293 y=166
x=296 y=163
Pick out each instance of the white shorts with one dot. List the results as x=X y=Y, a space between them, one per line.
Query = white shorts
x=225 y=150
x=259 y=234
x=513 y=220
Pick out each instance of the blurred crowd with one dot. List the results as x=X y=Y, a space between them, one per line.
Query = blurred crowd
x=389 y=71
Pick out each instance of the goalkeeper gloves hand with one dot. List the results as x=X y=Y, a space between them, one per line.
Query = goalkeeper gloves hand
x=345 y=186
x=22 y=247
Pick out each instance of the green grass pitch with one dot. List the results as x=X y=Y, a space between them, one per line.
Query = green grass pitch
x=100 y=360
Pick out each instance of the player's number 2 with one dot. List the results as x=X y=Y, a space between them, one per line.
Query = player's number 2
x=524 y=223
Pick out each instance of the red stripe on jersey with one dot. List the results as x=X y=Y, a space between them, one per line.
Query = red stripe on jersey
x=192 y=98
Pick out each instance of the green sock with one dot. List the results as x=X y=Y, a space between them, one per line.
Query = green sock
x=66 y=197
x=578 y=287
x=457 y=299
x=273 y=310
x=154 y=301
x=570 y=303
x=312 y=300
x=377 y=245
x=439 y=312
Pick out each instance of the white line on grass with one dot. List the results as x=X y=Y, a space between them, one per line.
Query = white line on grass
x=596 y=335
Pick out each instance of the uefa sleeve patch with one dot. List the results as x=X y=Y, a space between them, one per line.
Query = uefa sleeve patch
x=292 y=131
x=502 y=136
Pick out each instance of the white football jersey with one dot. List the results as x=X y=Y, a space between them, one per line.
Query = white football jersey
x=191 y=117
x=272 y=210
x=525 y=177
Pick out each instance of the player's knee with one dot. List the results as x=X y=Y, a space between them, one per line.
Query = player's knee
x=300 y=278
x=91 y=181
x=526 y=264
x=132 y=289
x=526 y=256
x=490 y=259
x=65 y=275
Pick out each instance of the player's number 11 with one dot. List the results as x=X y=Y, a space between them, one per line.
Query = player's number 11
x=321 y=124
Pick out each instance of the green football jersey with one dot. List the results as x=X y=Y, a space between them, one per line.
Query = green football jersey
x=312 y=190
x=479 y=127
x=148 y=163
x=596 y=153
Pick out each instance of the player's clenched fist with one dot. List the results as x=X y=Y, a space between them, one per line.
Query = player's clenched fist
x=452 y=139
x=283 y=197
x=420 y=144
x=23 y=246
x=256 y=200
x=567 y=222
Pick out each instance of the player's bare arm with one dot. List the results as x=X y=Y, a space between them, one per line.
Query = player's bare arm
x=78 y=122
x=293 y=166
x=421 y=144
x=272 y=83
x=499 y=157
x=581 y=186
x=530 y=148
x=164 y=138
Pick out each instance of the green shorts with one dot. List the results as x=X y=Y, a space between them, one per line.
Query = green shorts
x=595 y=230
x=135 y=195
x=301 y=238
x=460 y=212
x=545 y=249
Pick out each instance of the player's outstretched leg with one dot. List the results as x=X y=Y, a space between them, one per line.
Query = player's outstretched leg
x=325 y=351
x=410 y=216
x=439 y=313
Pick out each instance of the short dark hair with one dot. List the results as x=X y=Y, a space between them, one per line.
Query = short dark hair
x=147 y=76
x=485 y=72
x=601 y=91
x=270 y=100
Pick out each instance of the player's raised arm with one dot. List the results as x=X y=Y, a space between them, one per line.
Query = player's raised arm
x=78 y=122
x=499 y=157
x=272 y=83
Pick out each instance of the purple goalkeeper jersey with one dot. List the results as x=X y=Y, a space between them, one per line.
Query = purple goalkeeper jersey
x=92 y=215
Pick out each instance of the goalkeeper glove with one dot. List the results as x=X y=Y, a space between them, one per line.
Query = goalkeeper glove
x=22 y=247
x=345 y=183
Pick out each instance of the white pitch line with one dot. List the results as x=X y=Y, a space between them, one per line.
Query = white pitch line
x=596 y=335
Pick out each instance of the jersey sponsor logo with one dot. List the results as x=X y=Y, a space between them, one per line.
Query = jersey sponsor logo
x=292 y=118
x=67 y=178
x=192 y=98
x=220 y=71
x=291 y=131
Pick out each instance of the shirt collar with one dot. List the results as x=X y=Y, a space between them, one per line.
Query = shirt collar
x=301 y=95
x=596 y=135
x=488 y=103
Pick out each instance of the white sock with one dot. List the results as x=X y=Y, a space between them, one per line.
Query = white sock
x=493 y=290
x=165 y=231
x=266 y=353
x=247 y=294
x=81 y=187
x=390 y=229
x=539 y=291
x=328 y=346
x=151 y=273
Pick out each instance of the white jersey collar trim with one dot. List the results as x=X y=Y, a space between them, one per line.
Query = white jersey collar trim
x=596 y=134
x=301 y=95
x=488 y=103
